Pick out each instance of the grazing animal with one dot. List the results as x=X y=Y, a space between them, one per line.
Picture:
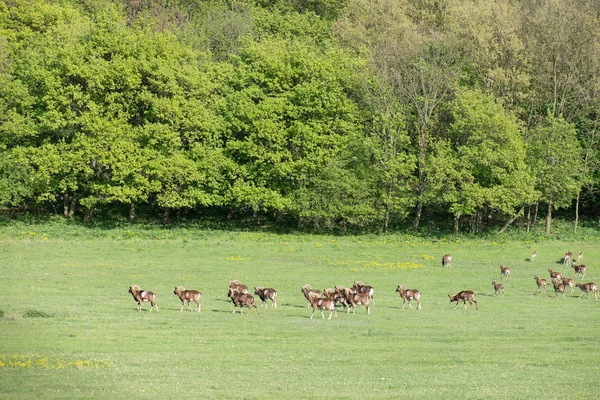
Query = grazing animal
x=569 y=282
x=241 y=288
x=140 y=296
x=504 y=271
x=541 y=283
x=533 y=256
x=266 y=294
x=241 y=299
x=580 y=257
x=579 y=270
x=558 y=287
x=568 y=258
x=555 y=275
x=447 y=261
x=309 y=293
x=498 y=287
x=323 y=303
x=587 y=288
x=409 y=294
x=464 y=296
x=362 y=288
x=188 y=296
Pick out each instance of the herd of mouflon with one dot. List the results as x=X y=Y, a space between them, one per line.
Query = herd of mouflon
x=361 y=294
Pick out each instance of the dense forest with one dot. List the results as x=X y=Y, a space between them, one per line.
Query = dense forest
x=327 y=114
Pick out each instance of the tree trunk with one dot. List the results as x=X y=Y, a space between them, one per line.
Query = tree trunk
x=576 y=212
x=457 y=222
x=418 y=215
x=73 y=207
x=132 y=212
x=510 y=221
x=421 y=167
x=386 y=219
x=66 y=205
x=88 y=215
x=528 y=217
x=167 y=216
x=548 y=218
x=535 y=212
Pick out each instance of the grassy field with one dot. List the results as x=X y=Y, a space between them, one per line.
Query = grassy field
x=70 y=329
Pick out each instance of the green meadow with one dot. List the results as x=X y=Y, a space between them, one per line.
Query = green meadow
x=69 y=329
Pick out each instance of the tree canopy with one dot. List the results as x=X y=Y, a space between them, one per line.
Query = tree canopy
x=329 y=114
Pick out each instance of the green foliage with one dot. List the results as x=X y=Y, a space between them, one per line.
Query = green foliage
x=555 y=158
x=331 y=113
x=489 y=146
x=289 y=113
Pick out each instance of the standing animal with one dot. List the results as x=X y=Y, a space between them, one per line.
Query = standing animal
x=309 y=293
x=337 y=294
x=533 y=256
x=409 y=294
x=355 y=298
x=504 y=271
x=241 y=299
x=241 y=288
x=362 y=288
x=558 y=287
x=323 y=303
x=587 y=288
x=498 y=287
x=464 y=296
x=447 y=261
x=555 y=275
x=568 y=258
x=541 y=283
x=140 y=296
x=580 y=257
x=579 y=269
x=266 y=294
x=188 y=296
x=569 y=282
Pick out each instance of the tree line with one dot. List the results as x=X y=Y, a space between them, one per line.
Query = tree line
x=333 y=114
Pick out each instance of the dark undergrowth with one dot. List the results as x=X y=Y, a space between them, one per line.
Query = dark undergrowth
x=30 y=226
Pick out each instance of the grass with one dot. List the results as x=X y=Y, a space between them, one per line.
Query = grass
x=92 y=342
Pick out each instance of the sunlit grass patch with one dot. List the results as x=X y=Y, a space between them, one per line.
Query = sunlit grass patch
x=237 y=258
x=378 y=265
x=40 y=361
x=388 y=266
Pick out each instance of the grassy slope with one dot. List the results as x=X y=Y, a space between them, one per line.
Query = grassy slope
x=524 y=345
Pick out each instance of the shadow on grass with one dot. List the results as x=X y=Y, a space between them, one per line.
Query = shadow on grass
x=293 y=305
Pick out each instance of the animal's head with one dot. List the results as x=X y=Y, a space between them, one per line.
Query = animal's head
x=178 y=290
